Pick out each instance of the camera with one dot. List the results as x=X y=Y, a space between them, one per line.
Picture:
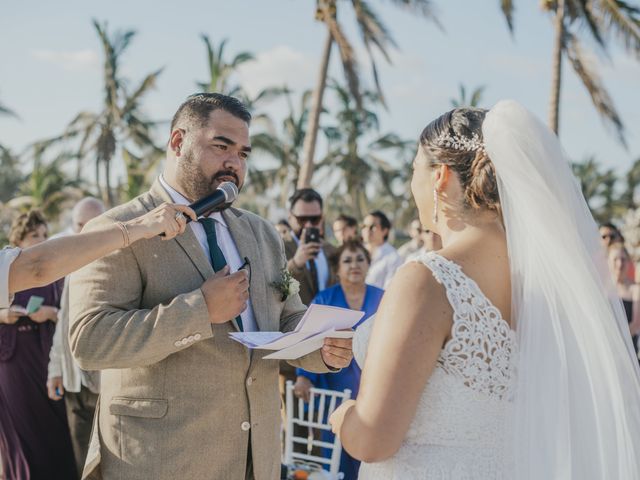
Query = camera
x=312 y=234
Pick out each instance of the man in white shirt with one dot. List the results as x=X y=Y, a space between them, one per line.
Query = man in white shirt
x=80 y=388
x=415 y=244
x=384 y=258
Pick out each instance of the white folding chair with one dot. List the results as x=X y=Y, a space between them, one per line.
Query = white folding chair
x=317 y=417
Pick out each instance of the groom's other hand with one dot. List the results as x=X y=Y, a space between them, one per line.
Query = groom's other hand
x=337 y=352
x=226 y=295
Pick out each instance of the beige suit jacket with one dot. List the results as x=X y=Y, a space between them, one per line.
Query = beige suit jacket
x=179 y=398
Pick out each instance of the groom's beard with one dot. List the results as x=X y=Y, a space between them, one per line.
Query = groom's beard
x=196 y=185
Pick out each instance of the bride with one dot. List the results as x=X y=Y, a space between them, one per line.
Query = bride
x=505 y=355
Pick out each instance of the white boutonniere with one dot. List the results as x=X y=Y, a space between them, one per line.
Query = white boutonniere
x=286 y=285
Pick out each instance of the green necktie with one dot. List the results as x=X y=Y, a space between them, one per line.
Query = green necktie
x=217 y=257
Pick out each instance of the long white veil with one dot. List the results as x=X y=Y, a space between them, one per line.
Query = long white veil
x=577 y=399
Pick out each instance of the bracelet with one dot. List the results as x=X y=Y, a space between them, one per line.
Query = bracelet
x=125 y=234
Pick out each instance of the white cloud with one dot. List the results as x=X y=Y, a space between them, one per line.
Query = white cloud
x=70 y=61
x=278 y=66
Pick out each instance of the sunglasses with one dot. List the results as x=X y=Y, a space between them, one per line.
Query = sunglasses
x=312 y=219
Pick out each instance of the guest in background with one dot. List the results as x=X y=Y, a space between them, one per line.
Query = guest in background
x=80 y=388
x=345 y=228
x=628 y=291
x=384 y=258
x=308 y=260
x=415 y=244
x=38 y=445
x=351 y=262
x=610 y=234
x=431 y=242
x=284 y=229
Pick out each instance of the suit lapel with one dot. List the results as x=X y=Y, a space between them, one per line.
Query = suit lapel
x=187 y=241
x=245 y=240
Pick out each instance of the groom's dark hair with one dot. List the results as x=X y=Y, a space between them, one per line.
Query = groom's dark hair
x=197 y=108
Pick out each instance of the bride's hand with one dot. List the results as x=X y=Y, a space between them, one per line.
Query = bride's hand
x=337 y=417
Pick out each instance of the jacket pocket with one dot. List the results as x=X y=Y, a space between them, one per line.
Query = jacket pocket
x=139 y=407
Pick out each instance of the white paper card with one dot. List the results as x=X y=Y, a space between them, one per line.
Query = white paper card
x=307 y=346
x=317 y=320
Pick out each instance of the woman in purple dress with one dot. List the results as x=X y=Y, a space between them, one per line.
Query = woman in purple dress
x=35 y=441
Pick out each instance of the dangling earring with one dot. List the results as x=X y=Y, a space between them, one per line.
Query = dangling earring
x=435 y=205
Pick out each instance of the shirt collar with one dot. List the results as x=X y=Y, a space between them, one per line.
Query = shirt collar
x=178 y=198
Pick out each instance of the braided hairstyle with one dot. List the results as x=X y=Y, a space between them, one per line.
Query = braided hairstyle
x=455 y=139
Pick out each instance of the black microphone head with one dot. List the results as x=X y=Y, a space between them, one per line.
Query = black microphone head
x=230 y=191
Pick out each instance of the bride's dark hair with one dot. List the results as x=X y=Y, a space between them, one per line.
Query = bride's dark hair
x=455 y=139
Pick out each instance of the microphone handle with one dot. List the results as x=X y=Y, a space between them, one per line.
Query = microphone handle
x=205 y=206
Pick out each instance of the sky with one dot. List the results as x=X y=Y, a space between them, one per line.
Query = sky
x=50 y=63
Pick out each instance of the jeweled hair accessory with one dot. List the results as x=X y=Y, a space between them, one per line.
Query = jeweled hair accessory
x=454 y=142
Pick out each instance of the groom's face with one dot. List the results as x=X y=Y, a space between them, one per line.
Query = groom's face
x=213 y=154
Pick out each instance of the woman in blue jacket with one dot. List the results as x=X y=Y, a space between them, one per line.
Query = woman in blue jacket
x=351 y=263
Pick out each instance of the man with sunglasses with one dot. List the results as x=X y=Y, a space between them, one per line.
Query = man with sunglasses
x=307 y=253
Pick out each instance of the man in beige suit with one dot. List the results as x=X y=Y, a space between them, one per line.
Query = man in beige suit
x=179 y=398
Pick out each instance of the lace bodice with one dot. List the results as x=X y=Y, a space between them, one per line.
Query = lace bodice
x=458 y=431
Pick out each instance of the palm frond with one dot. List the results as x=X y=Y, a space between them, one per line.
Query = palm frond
x=348 y=58
x=622 y=19
x=592 y=82
x=507 y=8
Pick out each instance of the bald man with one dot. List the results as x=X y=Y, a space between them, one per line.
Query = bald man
x=78 y=387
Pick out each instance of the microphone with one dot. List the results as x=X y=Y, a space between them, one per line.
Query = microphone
x=227 y=192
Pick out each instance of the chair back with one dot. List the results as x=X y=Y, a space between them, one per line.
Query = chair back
x=322 y=403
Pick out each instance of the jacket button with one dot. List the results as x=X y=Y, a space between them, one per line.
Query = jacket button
x=245 y=426
x=249 y=381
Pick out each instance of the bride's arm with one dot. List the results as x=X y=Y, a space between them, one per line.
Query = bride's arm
x=411 y=326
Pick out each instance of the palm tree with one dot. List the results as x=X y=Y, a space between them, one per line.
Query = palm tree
x=599 y=189
x=473 y=101
x=284 y=145
x=376 y=37
x=120 y=123
x=358 y=173
x=632 y=182
x=10 y=174
x=601 y=18
x=219 y=69
x=4 y=110
x=47 y=187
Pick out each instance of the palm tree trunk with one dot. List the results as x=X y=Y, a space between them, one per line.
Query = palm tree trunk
x=309 y=145
x=98 y=189
x=556 y=76
x=107 y=183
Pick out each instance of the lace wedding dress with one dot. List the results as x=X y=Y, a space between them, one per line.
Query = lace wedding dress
x=459 y=430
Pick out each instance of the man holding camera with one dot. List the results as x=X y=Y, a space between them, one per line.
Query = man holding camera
x=307 y=259
x=307 y=253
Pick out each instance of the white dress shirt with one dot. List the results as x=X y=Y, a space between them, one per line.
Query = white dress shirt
x=384 y=264
x=322 y=266
x=7 y=256
x=226 y=244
